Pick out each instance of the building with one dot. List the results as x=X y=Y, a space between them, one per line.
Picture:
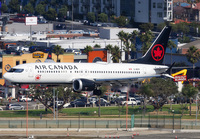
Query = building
x=153 y=11
x=142 y=11
x=82 y=7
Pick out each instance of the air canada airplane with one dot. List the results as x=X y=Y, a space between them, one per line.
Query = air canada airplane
x=89 y=76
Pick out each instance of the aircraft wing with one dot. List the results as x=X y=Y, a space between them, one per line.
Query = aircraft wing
x=122 y=81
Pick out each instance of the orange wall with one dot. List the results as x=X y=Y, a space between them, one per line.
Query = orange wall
x=97 y=53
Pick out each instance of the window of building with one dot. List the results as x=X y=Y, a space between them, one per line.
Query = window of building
x=159 y=5
x=154 y=5
x=159 y=14
x=24 y=62
x=17 y=62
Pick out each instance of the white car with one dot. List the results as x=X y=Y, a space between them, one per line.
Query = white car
x=131 y=101
x=66 y=105
x=1 y=109
x=24 y=98
x=23 y=48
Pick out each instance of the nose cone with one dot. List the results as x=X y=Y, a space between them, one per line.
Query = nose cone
x=7 y=77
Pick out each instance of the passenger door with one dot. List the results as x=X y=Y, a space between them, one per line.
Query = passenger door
x=30 y=71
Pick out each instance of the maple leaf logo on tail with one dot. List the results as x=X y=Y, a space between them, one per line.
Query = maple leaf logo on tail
x=157 y=52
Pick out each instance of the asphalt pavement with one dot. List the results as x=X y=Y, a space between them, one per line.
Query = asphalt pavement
x=138 y=133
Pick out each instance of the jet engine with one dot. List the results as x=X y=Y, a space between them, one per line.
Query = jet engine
x=83 y=85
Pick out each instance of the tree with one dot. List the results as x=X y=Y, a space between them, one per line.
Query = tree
x=87 y=49
x=193 y=56
x=103 y=90
x=146 y=27
x=51 y=14
x=4 y=8
x=127 y=44
x=162 y=89
x=128 y=41
x=97 y=46
x=160 y=26
x=63 y=12
x=146 y=91
x=189 y=91
x=45 y=95
x=115 y=52
x=102 y=17
x=121 y=21
x=91 y=17
x=121 y=37
x=29 y=8
x=133 y=40
x=14 y=6
x=58 y=50
x=171 y=45
x=146 y=39
x=40 y=9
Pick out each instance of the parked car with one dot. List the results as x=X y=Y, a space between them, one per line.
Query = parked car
x=92 y=100
x=78 y=104
x=14 y=107
x=38 y=48
x=24 y=98
x=116 y=101
x=75 y=51
x=66 y=105
x=103 y=102
x=23 y=48
x=1 y=109
x=131 y=101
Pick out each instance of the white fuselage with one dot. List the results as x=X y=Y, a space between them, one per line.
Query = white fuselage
x=61 y=73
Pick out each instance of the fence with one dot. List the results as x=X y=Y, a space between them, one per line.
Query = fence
x=167 y=122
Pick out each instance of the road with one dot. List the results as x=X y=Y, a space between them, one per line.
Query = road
x=122 y=134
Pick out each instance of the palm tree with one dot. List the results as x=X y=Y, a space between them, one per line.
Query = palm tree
x=109 y=48
x=193 y=56
x=127 y=39
x=133 y=40
x=115 y=54
x=121 y=37
x=146 y=38
x=58 y=50
x=87 y=49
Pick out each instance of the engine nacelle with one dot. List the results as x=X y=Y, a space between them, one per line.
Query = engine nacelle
x=83 y=85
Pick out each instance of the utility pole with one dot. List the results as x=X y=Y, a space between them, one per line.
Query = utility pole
x=72 y=14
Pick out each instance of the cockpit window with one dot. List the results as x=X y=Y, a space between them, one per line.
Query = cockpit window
x=16 y=70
